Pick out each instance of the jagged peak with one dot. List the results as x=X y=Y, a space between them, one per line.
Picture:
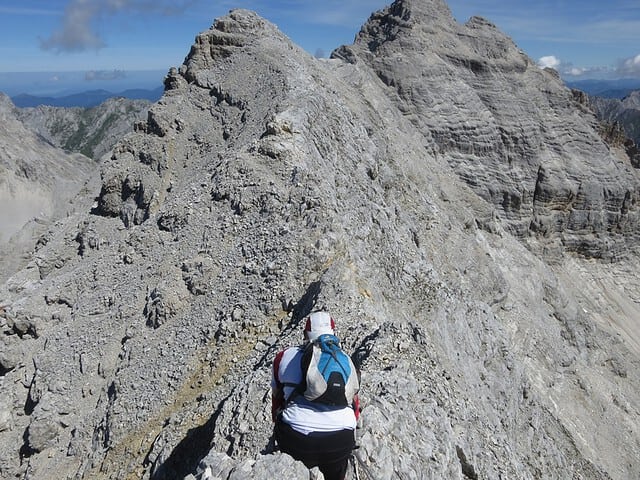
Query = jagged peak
x=434 y=10
x=410 y=24
x=422 y=10
x=228 y=34
x=238 y=32
x=480 y=22
x=6 y=105
x=386 y=24
x=427 y=30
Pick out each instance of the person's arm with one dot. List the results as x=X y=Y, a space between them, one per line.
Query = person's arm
x=277 y=402
x=277 y=389
x=356 y=406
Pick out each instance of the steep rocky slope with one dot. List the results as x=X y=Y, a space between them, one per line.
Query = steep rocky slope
x=37 y=182
x=626 y=112
x=470 y=237
x=90 y=131
x=506 y=127
x=623 y=114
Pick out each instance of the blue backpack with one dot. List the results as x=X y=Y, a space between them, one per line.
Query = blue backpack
x=328 y=374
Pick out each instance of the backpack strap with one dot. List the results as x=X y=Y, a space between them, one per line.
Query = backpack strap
x=298 y=388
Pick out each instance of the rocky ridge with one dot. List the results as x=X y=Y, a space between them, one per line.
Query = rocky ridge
x=480 y=263
x=90 y=131
x=37 y=182
x=624 y=112
x=623 y=118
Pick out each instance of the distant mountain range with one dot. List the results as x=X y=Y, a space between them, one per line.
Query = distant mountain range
x=86 y=99
x=625 y=113
x=618 y=89
x=607 y=88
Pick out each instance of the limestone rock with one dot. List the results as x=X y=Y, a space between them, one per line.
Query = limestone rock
x=41 y=434
x=620 y=121
x=467 y=248
x=464 y=87
x=266 y=467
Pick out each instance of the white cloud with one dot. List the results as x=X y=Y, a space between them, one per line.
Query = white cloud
x=92 y=75
x=77 y=30
x=575 y=71
x=550 y=61
x=569 y=70
x=76 y=33
x=630 y=67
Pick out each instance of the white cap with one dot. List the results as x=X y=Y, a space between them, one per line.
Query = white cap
x=319 y=323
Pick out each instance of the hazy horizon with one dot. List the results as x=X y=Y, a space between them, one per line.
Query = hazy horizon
x=105 y=43
x=59 y=84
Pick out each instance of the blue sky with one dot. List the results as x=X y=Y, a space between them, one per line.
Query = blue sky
x=100 y=43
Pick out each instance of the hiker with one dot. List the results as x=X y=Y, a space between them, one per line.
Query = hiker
x=319 y=432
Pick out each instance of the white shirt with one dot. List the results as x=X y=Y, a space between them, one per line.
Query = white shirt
x=302 y=415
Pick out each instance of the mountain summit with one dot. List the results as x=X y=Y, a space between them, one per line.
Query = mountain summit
x=508 y=128
x=448 y=202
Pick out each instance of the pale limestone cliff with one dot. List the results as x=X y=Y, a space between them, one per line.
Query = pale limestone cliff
x=494 y=320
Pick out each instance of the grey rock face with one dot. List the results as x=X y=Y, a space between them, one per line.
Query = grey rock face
x=266 y=183
x=504 y=125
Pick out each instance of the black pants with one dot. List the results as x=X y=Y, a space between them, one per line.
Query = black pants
x=329 y=451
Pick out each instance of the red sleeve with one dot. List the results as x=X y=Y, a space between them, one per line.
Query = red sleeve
x=276 y=369
x=356 y=406
x=277 y=392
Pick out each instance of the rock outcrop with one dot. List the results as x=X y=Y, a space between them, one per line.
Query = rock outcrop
x=449 y=203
